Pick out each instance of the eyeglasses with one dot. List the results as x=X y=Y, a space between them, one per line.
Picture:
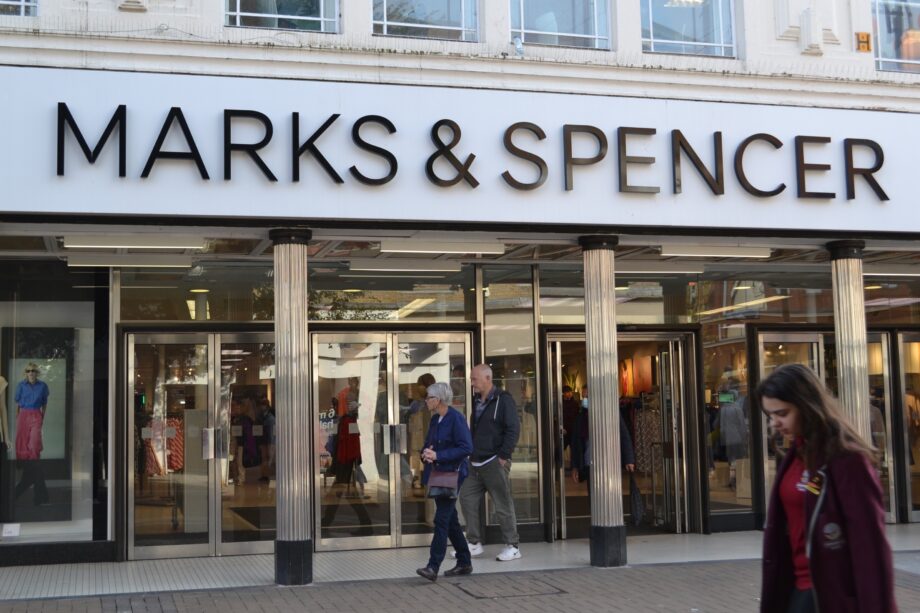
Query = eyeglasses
x=432 y=398
x=30 y=370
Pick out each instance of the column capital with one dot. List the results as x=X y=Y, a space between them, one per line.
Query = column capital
x=598 y=241
x=290 y=236
x=846 y=250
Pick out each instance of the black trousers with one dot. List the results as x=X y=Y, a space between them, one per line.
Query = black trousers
x=32 y=475
x=802 y=601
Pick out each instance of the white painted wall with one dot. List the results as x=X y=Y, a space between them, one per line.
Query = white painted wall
x=779 y=61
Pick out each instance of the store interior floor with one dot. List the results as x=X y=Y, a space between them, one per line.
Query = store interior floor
x=66 y=580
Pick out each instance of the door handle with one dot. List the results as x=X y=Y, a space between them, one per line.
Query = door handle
x=207 y=443
x=385 y=432
x=402 y=438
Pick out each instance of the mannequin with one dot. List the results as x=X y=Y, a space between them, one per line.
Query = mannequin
x=31 y=404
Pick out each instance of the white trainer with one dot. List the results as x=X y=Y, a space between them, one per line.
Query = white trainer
x=510 y=552
x=475 y=550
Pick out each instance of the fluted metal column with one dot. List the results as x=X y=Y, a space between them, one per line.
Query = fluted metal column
x=850 y=332
x=293 y=546
x=608 y=534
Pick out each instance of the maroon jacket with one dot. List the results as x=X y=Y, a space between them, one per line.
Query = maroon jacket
x=848 y=552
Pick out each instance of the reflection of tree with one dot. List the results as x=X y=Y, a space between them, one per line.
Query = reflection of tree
x=328 y=305
x=339 y=306
x=413 y=11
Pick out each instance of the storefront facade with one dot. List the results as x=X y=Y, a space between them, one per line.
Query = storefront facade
x=236 y=282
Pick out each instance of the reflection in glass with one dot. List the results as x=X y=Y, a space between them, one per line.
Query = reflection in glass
x=337 y=294
x=246 y=441
x=509 y=340
x=699 y=27
x=579 y=23
x=170 y=476
x=314 y=15
x=449 y=19
x=354 y=491
x=897 y=34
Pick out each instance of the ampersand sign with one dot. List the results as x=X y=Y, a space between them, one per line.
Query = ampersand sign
x=444 y=149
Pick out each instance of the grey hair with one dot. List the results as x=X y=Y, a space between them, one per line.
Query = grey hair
x=441 y=391
x=485 y=369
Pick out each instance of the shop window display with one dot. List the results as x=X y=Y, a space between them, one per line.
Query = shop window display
x=54 y=417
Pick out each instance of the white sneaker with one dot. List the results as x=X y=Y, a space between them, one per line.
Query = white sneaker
x=475 y=551
x=510 y=552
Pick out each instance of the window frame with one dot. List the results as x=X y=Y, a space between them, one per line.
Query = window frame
x=601 y=43
x=731 y=48
x=462 y=29
x=238 y=14
x=882 y=63
x=22 y=5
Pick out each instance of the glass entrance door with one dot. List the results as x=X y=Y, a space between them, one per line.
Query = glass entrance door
x=818 y=352
x=909 y=350
x=369 y=394
x=201 y=432
x=654 y=410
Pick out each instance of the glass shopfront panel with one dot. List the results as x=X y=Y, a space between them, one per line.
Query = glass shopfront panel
x=53 y=408
x=510 y=351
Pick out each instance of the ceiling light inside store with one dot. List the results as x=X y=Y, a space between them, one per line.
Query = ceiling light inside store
x=739 y=288
x=868 y=287
x=133 y=241
x=421 y=246
x=199 y=290
x=893 y=270
x=628 y=267
x=395 y=265
x=129 y=261
x=714 y=251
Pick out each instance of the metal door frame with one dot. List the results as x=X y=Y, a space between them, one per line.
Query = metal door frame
x=392 y=339
x=681 y=344
x=214 y=342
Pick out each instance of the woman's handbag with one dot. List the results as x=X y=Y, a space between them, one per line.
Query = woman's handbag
x=443 y=483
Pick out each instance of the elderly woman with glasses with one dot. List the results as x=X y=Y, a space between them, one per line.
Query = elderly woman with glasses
x=447 y=449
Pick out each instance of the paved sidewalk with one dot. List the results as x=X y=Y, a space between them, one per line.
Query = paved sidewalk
x=702 y=587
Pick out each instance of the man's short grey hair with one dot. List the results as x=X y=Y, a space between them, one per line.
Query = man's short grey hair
x=485 y=369
x=441 y=391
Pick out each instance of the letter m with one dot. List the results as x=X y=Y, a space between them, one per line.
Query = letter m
x=65 y=118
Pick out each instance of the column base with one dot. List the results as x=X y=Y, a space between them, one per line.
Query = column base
x=608 y=546
x=293 y=562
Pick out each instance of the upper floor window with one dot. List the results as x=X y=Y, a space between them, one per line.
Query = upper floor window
x=696 y=27
x=897 y=32
x=313 y=15
x=567 y=23
x=23 y=8
x=450 y=19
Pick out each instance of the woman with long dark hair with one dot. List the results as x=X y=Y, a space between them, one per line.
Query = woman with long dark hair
x=825 y=547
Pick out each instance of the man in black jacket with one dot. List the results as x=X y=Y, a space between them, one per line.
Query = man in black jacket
x=495 y=427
